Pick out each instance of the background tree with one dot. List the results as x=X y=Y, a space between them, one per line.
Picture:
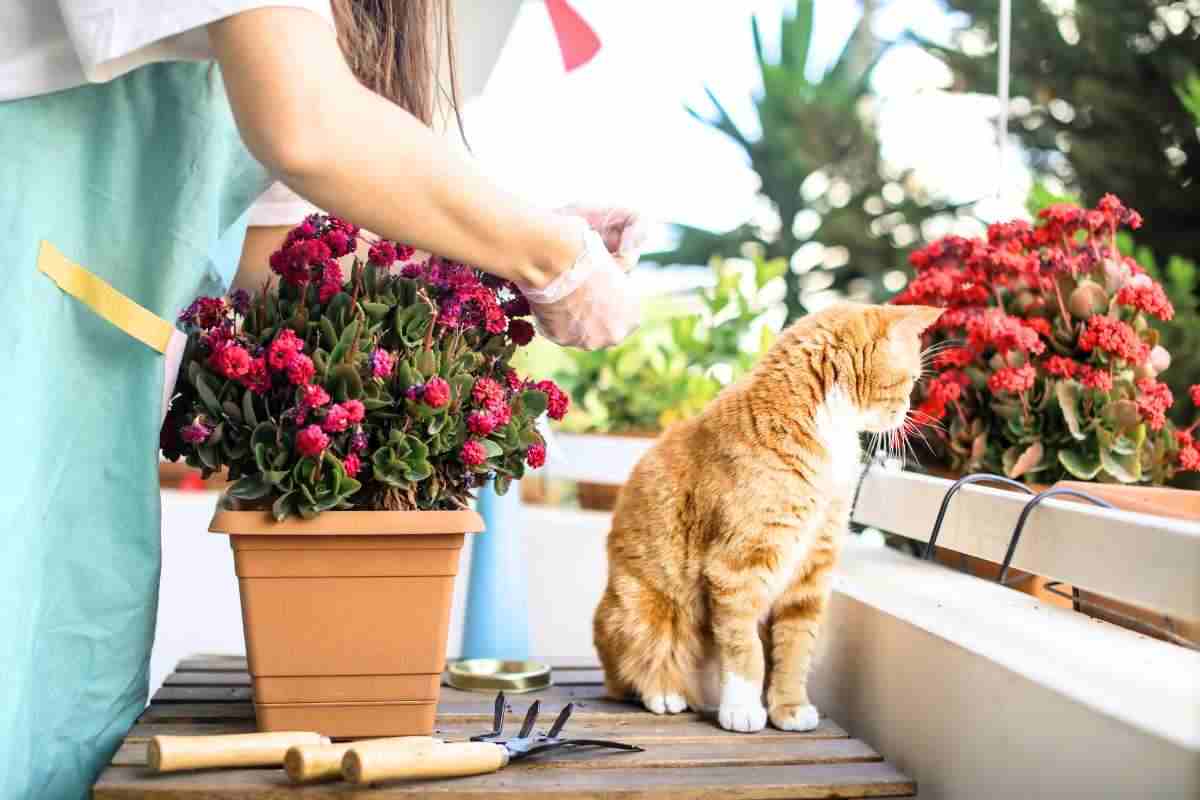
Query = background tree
x=821 y=172
x=1096 y=101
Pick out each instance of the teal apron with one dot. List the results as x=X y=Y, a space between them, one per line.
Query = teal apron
x=143 y=181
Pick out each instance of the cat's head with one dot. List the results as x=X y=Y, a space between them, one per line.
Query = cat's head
x=878 y=353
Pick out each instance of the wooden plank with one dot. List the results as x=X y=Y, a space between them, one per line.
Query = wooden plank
x=744 y=751
x=209 y=662
x=645 y=731
x=205 y=694
x=144 y=730
x=207 y=679
x=182 y=712
x=870 y=779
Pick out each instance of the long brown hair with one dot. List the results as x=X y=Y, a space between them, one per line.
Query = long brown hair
x=395 y=47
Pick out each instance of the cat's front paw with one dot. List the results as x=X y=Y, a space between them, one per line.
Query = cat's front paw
x=743 y=718
x=668 y=703
x=795 y=717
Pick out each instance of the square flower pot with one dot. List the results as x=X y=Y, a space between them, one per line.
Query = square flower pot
x=346 y=616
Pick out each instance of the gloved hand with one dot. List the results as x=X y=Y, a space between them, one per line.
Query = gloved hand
x=591 y=305
x=624 y=231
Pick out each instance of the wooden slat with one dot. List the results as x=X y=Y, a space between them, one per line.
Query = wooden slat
x=144 y=730
x=744 y=751
x=206 y=694
x=207 y=662
x=207 y=679
x=870 y=779
x=181 y=712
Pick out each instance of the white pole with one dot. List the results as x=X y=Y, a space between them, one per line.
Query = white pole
x=1002 y=90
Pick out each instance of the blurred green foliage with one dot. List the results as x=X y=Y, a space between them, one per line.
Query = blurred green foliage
x=821 y=172
x=672 y=367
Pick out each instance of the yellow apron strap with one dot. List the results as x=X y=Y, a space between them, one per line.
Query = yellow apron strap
x=137 y=321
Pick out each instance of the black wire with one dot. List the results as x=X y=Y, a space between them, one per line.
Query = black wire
x=976 y=477
x=1028 y=509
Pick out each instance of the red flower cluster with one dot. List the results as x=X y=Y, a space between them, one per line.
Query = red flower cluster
x=1154 y=398
x=1146 y=295
x=1014 y=380
x=309 y=251
x=1032 y=307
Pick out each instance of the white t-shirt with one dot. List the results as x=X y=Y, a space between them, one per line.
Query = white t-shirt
x=50 y=45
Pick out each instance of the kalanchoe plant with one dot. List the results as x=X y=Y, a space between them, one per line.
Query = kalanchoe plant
x=1046 y=362
x=390 y=390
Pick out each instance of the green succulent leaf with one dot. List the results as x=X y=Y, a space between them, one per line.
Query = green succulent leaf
x=251 y=487
x=1068 y=393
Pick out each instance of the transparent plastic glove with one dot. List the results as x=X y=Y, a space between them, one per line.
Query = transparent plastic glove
x=591 y=305
x=623 y=230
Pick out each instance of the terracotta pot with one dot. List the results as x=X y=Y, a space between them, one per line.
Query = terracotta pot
x=346 y=616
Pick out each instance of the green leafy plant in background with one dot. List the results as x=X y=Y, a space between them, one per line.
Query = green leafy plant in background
x=1105 y=99
x=671 y=368
x=819 y=164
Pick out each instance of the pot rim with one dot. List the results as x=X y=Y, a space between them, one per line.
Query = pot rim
x=349 y=523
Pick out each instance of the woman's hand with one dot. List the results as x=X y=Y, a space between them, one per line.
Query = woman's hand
x=623 y=230
x=591 y=305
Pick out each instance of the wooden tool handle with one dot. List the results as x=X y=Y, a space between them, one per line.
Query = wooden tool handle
x=171 y=753
x=309 y=763
x=381 y=763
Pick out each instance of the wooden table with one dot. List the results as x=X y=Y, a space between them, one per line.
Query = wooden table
x=685 y=756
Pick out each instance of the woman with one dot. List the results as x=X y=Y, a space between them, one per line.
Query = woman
x=125 y=151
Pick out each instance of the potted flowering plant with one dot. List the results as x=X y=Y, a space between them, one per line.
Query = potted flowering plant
x=1047 y=362
x=354 y=417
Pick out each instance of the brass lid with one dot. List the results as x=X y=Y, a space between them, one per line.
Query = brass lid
x=495 y=675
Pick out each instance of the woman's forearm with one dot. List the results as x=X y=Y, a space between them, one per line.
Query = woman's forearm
x=305 y=116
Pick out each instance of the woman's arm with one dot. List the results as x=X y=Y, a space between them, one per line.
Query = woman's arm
x=305 y=116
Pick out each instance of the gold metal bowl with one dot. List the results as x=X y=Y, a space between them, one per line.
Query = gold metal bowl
x=495 y=675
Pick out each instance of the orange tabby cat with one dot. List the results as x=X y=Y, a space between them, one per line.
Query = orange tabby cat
x=724 y=538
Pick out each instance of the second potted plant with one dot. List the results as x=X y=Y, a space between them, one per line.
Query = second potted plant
x=355 y=417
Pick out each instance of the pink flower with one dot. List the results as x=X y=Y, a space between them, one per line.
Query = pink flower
x=1061 y=366
x=1148 y=297
x=1114 y=337
x=197 y=431
x=339 y=242
x=382 y=363
x=1098 y=379
x=1189 y=459
x=520 y=331
x=502 y=414
x=557 y=401
x=382 y=253
x=285 y=345
x=1014 y=380
x=487 y=393
x=313 y=396
x=331 y=281
x=1194 y=393
x=232 y=361
x=473 y=453
x=300 y=369
x=355 y=411
x=336 y=420
x=952 y=357
x=257 y=379
x=535 y=456
x=515 y=382
x=437 y=393
x=358 y=442
x=311 y=441
x=481 y=423
x=351 y=464
x=1153 y=400
x=404 y=252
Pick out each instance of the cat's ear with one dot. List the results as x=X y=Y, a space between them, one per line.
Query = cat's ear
x=911 y=321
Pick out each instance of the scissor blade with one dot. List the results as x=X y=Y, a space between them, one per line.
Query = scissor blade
x=498 y=716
